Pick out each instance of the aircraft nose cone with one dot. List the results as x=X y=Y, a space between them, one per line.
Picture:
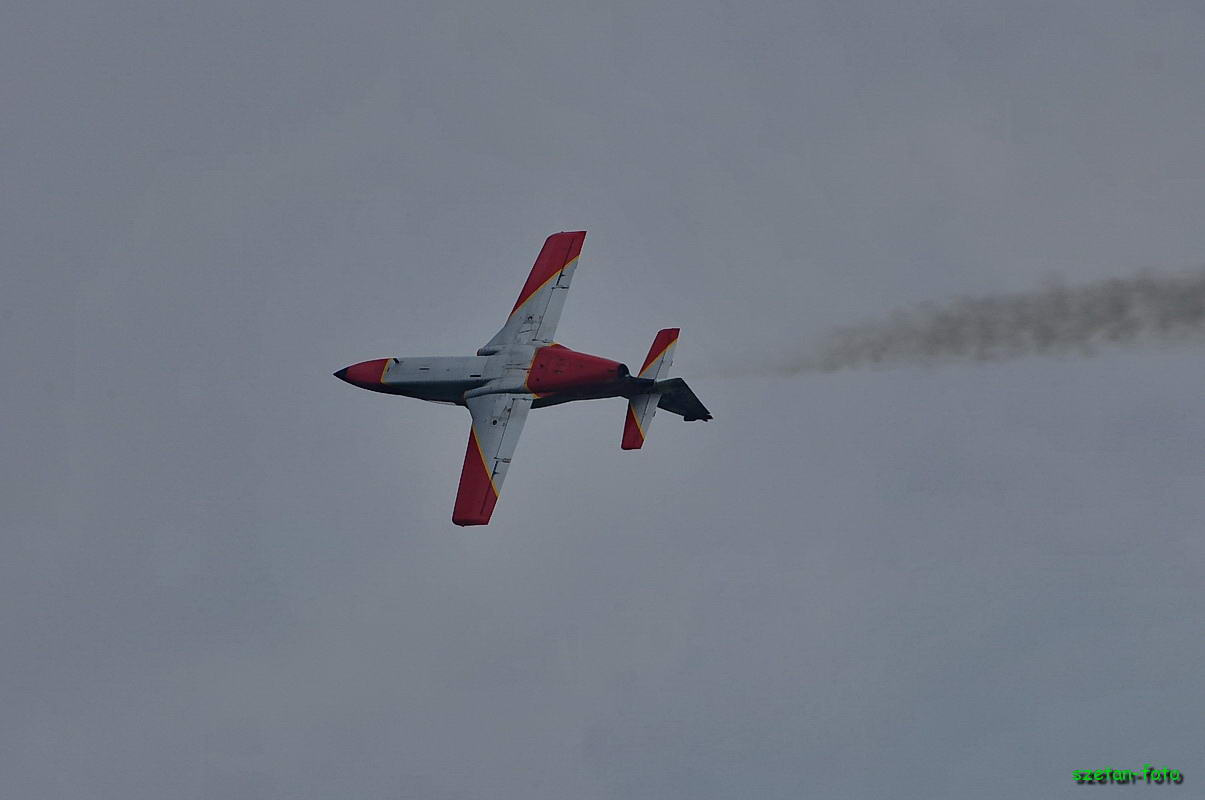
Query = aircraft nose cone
x=366 y=374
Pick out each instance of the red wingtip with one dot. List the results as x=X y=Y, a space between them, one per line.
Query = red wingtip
x=476 y=497
x=559 y=250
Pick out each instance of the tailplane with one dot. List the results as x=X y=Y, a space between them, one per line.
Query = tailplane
x=642 y=407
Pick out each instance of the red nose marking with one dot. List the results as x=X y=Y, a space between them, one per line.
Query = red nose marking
x=367 y=372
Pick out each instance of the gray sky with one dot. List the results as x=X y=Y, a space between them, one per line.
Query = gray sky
x=225 y=574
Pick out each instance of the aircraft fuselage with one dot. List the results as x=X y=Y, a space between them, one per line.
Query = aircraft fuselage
x=552 y=374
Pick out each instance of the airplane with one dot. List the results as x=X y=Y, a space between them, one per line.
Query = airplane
x=522 y=368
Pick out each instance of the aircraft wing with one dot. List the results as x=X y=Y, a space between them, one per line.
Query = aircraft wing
x=535 y=315
x=497 y=422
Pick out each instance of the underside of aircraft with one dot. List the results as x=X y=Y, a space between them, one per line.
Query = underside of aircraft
x=522 y=368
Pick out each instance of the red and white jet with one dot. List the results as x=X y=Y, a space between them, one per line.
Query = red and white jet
x=523 y=368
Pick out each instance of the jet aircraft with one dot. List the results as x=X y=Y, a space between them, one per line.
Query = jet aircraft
x=522 y=368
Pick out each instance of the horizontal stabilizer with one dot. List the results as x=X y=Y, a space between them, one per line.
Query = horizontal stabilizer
x=642 y=407
x=640 y=413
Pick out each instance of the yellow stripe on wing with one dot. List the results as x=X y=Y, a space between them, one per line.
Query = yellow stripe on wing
x=485 y=463
x=556 y=275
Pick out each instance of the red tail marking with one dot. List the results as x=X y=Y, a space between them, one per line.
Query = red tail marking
x=633 y=436
x=665 y=340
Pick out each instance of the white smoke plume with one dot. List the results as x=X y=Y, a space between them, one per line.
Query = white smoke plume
x=1057 y=320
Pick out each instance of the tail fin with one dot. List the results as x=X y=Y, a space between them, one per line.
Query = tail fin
x=677 y=398
x=642 y=407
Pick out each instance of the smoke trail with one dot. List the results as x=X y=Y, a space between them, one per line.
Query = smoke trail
x=1053 y=321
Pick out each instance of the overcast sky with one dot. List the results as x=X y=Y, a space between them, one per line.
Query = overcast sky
x=226 y=574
